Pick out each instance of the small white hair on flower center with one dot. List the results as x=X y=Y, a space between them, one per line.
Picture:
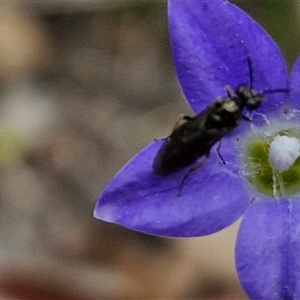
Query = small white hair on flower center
x=284 y=150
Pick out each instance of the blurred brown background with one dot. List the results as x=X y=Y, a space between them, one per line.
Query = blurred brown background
x=83 y=87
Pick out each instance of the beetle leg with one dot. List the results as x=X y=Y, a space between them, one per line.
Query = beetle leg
x=246 y=118
x=191 y=170
x=181 y=120
x=219 y=153
x=161 y=138
x=199 y=165
x=229 y=91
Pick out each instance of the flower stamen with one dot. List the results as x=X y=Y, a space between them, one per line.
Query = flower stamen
x=284 y=150
x=278 y=157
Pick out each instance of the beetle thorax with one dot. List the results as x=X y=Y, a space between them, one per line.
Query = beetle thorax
x=230 y=106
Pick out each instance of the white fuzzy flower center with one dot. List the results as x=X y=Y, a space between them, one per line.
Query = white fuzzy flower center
x=284 y=150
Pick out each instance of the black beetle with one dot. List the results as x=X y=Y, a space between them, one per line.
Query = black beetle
x=193 y=137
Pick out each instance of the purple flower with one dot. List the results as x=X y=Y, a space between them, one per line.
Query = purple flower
x=211 y=41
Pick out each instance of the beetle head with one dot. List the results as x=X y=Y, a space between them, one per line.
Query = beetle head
x=249 y=97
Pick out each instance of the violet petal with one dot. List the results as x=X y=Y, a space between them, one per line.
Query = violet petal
x=212 y=198
x=295 y=85
x=211 y=41
x=267 y=250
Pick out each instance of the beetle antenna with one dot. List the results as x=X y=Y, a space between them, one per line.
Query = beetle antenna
x=275 y=91
x=250 y=69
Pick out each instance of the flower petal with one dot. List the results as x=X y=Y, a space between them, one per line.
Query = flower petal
x=295 y=85
x=211 y=41
x=212 y=198
x=267 y=250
